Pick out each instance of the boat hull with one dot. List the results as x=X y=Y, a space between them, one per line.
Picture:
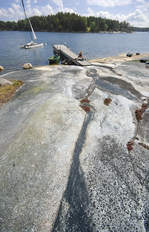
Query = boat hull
x=28 y=46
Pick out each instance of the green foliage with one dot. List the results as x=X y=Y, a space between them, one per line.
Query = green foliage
x=9 y=26
x=66 y=22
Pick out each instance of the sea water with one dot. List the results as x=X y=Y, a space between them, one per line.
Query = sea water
x=93 y=45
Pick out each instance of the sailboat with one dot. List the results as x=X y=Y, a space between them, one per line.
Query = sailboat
x=31 y=44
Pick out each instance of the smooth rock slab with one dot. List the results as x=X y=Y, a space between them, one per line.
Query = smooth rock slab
x=35 y=166
x=108 y=186
x=39 y=129
x=115 y=179
x=64 y=170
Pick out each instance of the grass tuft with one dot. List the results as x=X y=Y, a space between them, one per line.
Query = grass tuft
x=7 y=91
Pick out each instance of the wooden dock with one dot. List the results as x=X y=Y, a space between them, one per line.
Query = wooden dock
x=67 y=55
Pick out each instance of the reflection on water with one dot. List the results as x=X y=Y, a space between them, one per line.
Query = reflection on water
x=92 y=45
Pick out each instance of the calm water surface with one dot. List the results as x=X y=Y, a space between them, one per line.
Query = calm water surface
x=93 y=45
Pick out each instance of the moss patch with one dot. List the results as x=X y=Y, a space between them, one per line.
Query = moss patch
x=7 y=91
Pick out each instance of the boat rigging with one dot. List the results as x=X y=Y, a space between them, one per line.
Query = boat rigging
x=31 y=44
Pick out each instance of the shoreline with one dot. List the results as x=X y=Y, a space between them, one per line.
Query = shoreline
x=119 y=58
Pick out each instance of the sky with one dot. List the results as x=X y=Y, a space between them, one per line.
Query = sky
x=136 y=12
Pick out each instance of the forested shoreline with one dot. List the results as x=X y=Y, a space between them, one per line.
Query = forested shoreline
x=66 y=22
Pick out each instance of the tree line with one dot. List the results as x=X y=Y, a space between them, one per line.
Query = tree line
x=67 y=22
x=141 y=29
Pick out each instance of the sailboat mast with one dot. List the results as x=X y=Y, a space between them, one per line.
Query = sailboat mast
x=33 y=33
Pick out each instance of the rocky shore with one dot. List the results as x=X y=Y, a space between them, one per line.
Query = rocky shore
x=120 y=58
x=74 y=149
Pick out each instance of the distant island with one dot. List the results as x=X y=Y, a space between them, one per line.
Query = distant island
x=66 y=22
x=141 y=29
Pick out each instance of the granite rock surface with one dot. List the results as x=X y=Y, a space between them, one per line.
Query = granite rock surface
x=68 y=167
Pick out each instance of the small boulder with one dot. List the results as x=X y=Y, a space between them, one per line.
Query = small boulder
x=1 y=68
x=27 y=66
x=144 y=60
x=129 y=54
x=147 y=64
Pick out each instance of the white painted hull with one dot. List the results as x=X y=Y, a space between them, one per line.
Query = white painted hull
x=29 y=46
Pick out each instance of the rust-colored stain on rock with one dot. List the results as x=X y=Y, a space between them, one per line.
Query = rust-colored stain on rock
x=85 y=104
x=85 y=100
x=85 y=108
x=130 y=145
x=139 y=112
x=107 y=101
